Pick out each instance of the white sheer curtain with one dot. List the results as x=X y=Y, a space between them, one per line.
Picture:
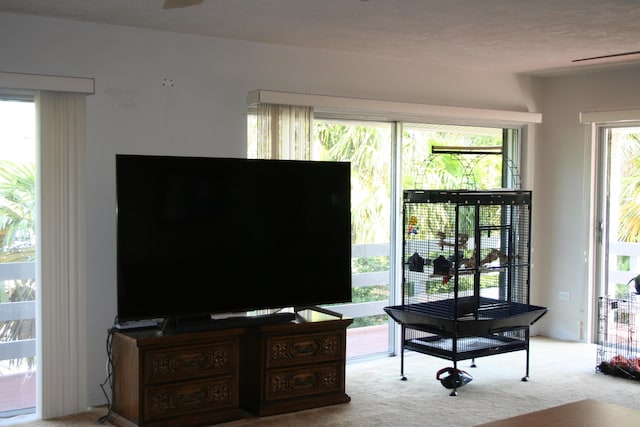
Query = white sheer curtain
x=61 y=276
x=284 y=132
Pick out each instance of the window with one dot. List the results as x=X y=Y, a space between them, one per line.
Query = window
x=454 y=157
x=618 y=251
x=368 y=146
x=428 y=156
x=17 y=257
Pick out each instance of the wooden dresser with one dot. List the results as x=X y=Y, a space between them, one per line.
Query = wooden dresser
x=175 y=380
x=294 y=366
x=205 y=378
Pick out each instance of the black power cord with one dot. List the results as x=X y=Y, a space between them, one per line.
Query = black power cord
x=109 y=379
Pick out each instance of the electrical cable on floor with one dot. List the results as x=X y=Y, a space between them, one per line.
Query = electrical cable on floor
x=109 y=378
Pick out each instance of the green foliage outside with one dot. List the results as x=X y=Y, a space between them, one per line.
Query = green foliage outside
x=629 y=226
x=369 y=151
x=381 y=319
x=628 y=152
x=17 y=234
x=421 y=169
x=367 y=146
x=623 y=262
x=365 y=265
x=370 y=293
x=438 y=286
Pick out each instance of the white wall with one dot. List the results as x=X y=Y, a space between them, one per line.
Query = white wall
x=204 y=114
x=562 y=204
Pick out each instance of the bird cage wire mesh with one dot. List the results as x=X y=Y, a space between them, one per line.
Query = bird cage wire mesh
x=465 y=284
x=465 y=233
x=618 y=348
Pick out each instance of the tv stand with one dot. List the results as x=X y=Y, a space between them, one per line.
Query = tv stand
x=293 y=366
x=165 y=378
x=175 y=380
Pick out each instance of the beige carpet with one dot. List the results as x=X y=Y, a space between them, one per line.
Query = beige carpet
x=560 y=372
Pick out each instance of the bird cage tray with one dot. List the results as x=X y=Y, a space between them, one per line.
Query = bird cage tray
x=467 y=347
x=467 y=316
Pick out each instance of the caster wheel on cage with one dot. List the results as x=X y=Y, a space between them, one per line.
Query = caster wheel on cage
x=403 y=378
x=524 y=379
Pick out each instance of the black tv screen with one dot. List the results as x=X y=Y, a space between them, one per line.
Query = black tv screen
x=199 y=236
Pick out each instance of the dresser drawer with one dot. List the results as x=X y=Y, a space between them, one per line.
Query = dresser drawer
x=189 y=398
x=304 y=381
x=190 y=362
x=299 y=349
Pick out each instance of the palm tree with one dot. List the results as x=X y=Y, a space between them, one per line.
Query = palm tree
x=17 y=211
x=361 y=145
x=17 y=234
x=629 y=229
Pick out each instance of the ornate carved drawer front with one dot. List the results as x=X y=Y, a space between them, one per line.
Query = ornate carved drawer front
x=304 y=381
x=189 y=398
x=189 y=362
x=297 y=349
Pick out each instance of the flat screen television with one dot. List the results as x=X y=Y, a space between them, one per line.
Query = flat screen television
x=202 y=236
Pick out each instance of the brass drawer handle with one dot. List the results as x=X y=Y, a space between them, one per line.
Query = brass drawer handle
x=305 y=381
x=191 y=363
x=309 y=347
x=195 y=397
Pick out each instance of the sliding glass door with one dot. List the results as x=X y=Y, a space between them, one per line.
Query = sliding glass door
x=17 y=257
x=618 y=213
x=388 y=157
x=367 y=146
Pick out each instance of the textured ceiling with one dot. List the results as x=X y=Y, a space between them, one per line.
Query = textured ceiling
x=529 y=36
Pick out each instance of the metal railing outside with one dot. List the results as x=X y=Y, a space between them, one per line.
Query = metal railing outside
x=616 y=249
x=27 y=309
x=372 y=308
x=20 y=310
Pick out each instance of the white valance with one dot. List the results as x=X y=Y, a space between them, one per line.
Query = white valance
x=22 y=81
x=392 y=110
x=610 y=116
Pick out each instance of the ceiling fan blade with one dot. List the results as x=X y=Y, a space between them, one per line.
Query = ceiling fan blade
x=174 y=4
x=614 y=55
